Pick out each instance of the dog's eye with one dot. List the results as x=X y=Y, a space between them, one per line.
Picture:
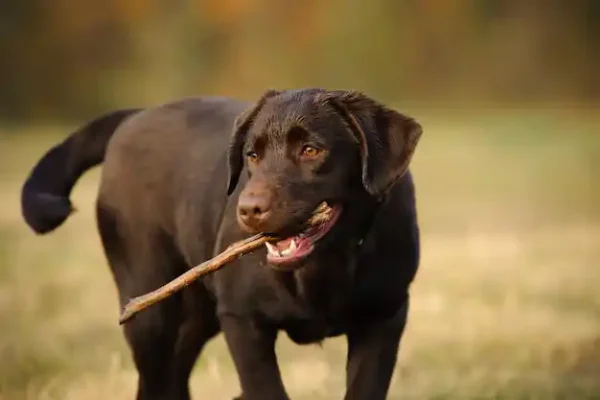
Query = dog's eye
x=310 y=151
x=252 y=156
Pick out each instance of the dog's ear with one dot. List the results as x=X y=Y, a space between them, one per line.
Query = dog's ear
x=241 y=126
x=386 y=138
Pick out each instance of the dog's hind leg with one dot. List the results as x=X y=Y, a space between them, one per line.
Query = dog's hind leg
x=165 y=339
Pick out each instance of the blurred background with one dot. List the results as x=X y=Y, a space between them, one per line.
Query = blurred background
x=507 y=302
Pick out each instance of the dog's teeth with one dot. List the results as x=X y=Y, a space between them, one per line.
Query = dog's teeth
x=272 y=250
x=290 y=249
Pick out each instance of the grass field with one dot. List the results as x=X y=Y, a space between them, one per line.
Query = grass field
x=506 y=304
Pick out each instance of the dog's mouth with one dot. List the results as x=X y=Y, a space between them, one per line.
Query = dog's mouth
x=290 y=250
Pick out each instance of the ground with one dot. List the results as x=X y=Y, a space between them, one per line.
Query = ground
x=506 y=304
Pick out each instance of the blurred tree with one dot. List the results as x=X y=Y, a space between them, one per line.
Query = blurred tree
x=54 y=56
x=67 y=59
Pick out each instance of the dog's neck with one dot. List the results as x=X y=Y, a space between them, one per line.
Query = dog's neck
x=313 y=285
x=367 y=221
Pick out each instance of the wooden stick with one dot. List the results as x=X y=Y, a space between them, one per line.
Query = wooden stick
x=236 y=250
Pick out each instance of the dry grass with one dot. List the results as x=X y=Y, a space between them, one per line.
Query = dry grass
x=506 y=304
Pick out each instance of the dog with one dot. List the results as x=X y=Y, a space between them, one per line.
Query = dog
x=183 y=180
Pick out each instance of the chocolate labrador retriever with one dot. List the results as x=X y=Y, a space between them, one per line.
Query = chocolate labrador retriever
x=177 y=188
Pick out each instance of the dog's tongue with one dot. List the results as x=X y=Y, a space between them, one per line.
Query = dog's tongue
x=284 y=244
x=289 y=246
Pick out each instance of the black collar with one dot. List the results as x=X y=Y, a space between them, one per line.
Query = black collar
x=367 y=223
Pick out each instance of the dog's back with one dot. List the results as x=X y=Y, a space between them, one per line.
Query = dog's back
x=166 y=167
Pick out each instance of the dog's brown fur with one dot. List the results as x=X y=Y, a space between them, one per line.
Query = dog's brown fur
x=168 y=200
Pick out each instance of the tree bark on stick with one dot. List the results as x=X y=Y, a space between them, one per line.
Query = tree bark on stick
x=232 y=252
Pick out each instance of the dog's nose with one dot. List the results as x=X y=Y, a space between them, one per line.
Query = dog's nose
x=253 y=209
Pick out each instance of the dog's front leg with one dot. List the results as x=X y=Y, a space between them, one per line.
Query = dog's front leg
x=372 y=352
x=253 y=350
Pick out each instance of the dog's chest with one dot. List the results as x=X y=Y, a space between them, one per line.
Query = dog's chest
x=317 y=308
x=314 y=330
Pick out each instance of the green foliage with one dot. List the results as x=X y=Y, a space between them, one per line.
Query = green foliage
x=69 y=59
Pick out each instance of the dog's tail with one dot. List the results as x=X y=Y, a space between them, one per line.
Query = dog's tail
x=45 y=203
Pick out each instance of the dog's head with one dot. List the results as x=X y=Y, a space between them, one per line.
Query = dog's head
x=314 y=150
